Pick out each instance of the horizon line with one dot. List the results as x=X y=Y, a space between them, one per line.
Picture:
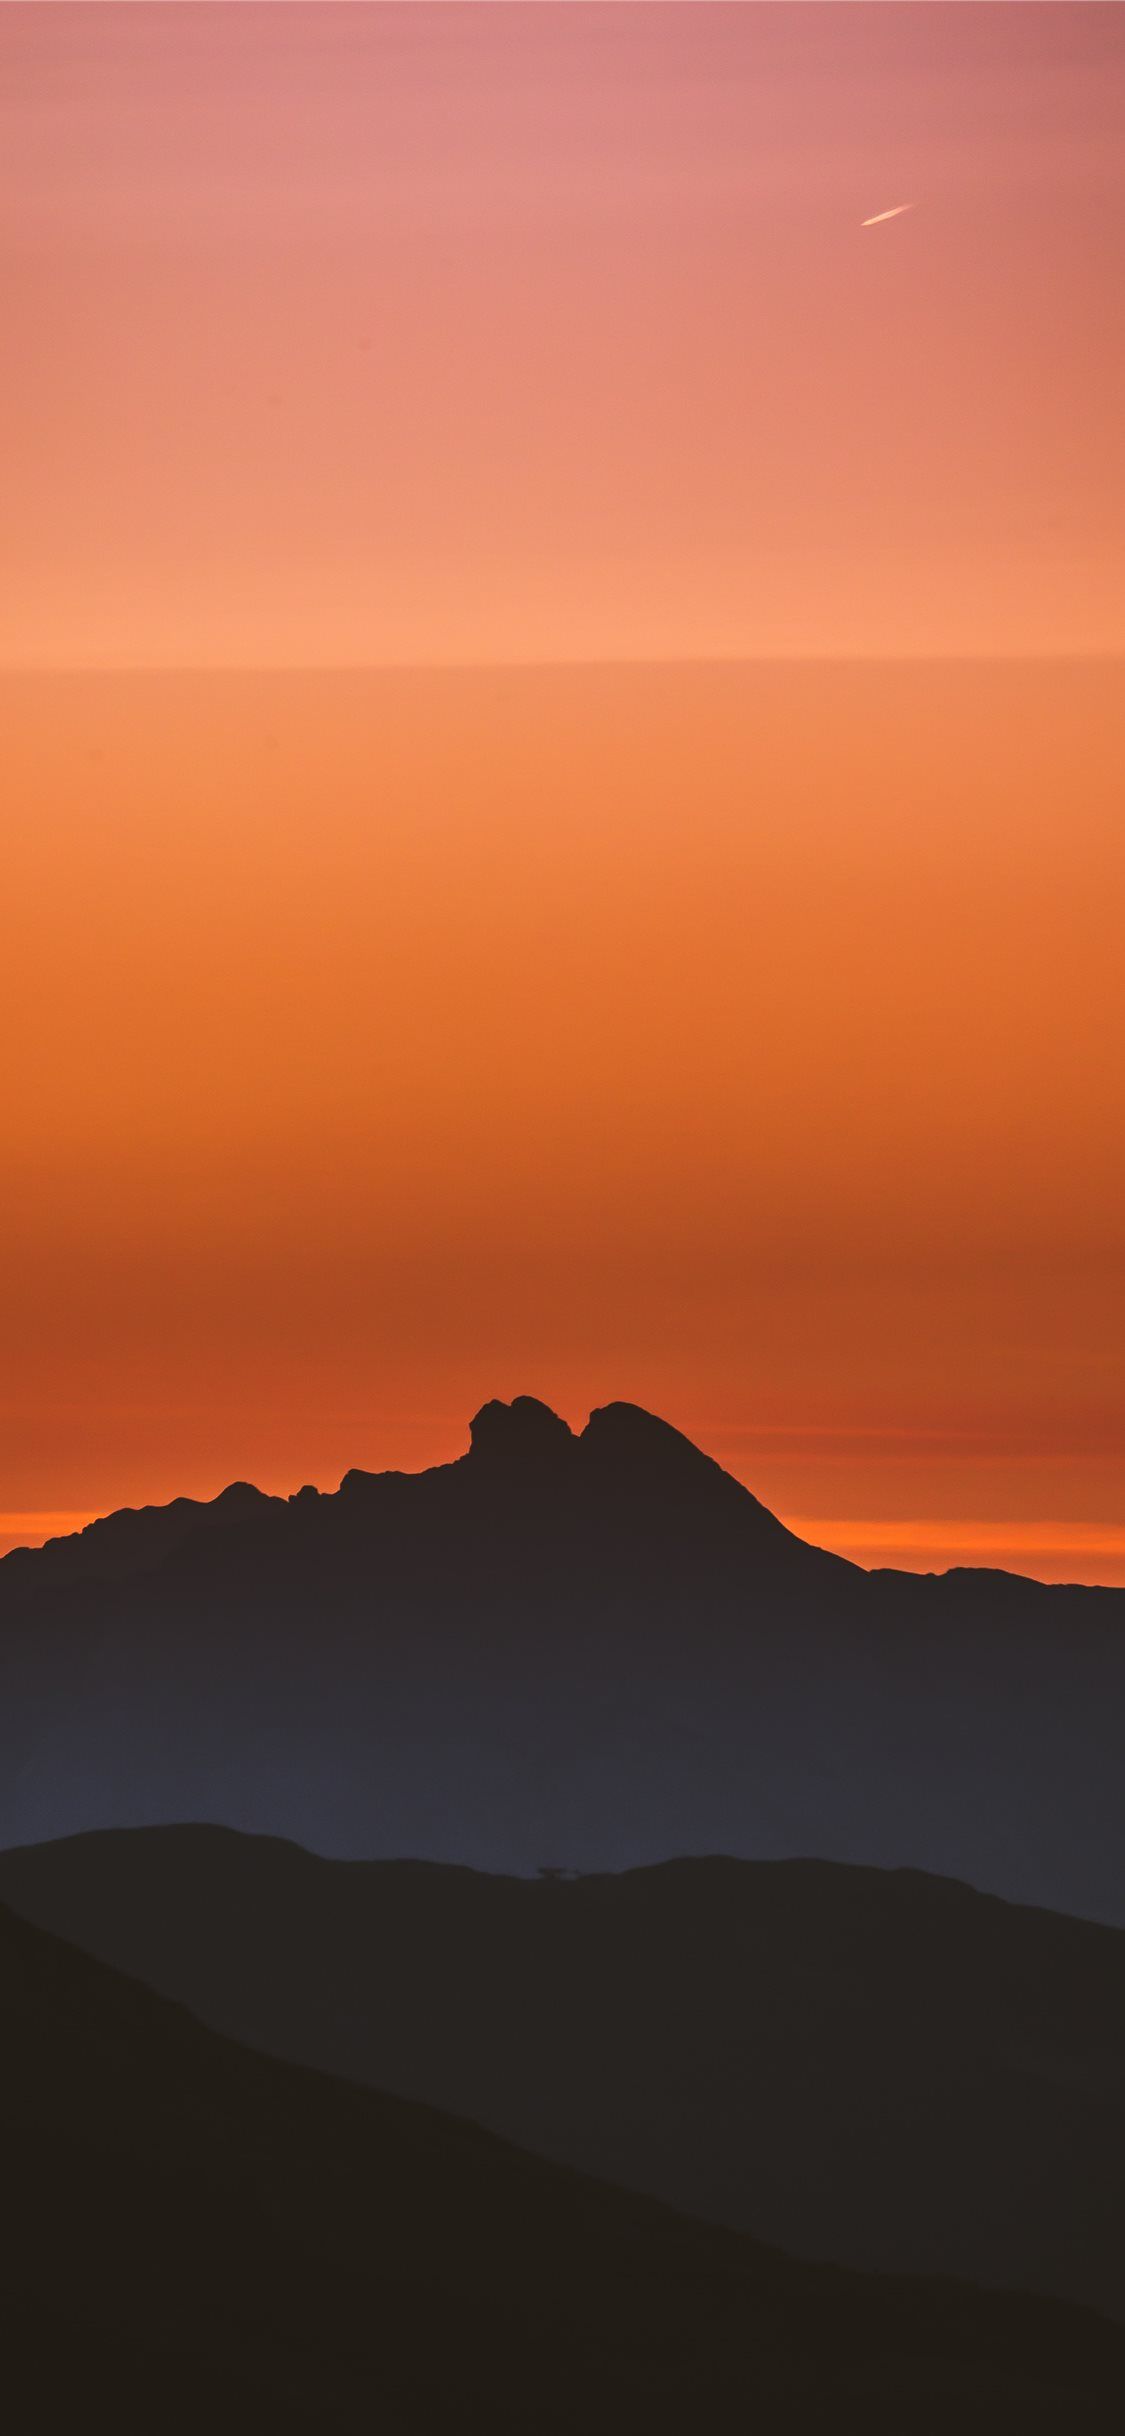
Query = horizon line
x=923 y=1538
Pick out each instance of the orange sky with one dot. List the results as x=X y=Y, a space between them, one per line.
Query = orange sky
x=745 y=1039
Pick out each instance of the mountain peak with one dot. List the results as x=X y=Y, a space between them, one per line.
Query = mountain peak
x=524 y=1431
x=239 y=1497
x=628 y=1428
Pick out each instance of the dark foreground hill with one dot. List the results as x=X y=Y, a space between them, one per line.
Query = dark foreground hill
x=590 y=1649
x=884 y=2069
x=194 y=2236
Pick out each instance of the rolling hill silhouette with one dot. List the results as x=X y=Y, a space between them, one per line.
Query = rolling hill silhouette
x=590 y=1649
x=197 y=2236
x=883 y=2069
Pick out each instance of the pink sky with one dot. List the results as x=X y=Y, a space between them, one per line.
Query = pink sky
x=405 y=333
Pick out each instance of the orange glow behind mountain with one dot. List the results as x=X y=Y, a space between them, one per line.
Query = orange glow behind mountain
x=738 y=1031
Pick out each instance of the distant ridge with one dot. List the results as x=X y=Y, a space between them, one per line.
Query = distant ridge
x=194 y=2236
x=877 y=2067
x=595 y=1647
x=134 y=1538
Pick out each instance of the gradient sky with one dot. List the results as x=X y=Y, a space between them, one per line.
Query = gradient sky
x=391 y=1024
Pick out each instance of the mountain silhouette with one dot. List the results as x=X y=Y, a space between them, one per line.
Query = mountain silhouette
x=196 y=2236
x=884 y=2069
x=592 y=1649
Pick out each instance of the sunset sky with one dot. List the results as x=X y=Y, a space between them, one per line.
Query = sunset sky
x=561 y=751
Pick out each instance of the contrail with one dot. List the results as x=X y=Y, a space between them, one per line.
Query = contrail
x=893 y=214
